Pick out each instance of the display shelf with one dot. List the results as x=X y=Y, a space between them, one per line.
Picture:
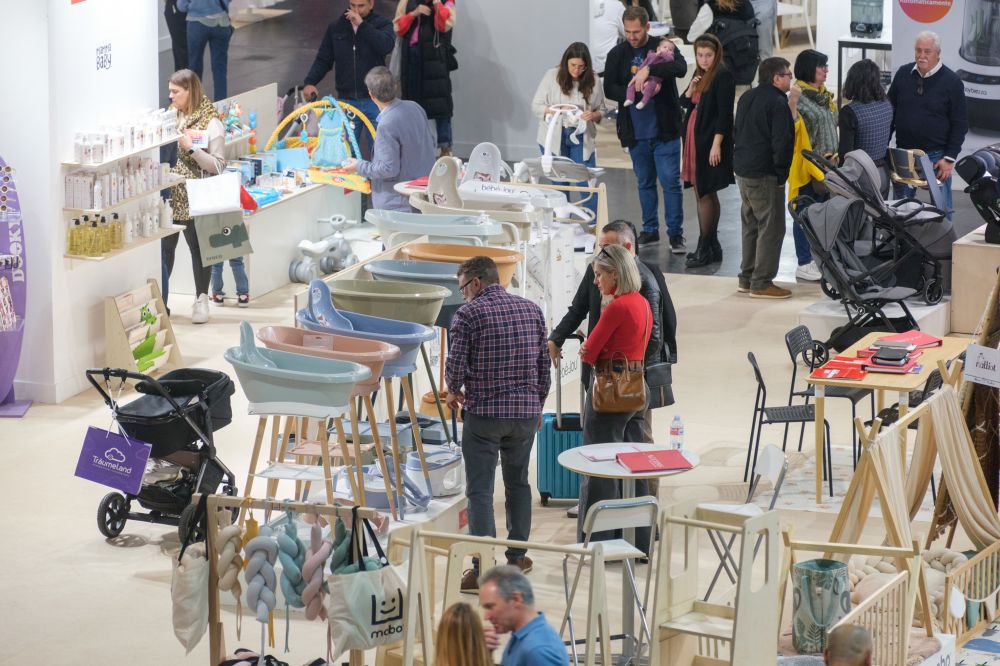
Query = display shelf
x=124 y=156
x=161 y=233
x=118 y=353
x=291 y=195
x=124 y=202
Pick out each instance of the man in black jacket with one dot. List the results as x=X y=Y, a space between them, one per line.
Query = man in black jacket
x=651 y=134
x=353 y=44
x=765 y=137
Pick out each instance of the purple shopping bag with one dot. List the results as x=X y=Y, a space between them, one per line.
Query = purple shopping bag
x=113 y=460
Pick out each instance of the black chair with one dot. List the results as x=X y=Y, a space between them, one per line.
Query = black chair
x=785 y=414
x=812 y=352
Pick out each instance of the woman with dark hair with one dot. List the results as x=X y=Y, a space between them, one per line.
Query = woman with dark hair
x=866 y=121
x=572 y=82
x=707 y=162
x=817 y=108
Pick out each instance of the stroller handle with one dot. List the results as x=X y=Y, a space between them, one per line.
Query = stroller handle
x=123 y=374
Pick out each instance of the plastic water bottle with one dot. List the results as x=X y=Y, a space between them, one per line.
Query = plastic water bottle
x=677 y=433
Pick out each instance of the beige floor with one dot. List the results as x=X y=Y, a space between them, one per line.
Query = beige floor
x=73 y=597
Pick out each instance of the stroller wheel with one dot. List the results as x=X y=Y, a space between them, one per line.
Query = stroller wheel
x=112 y=513
x=186 y=522
x=828 y=289
x=933 y=291
x=816 y=355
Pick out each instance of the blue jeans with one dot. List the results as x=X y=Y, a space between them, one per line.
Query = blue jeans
x=654 y=160
x=239 y=274
x=365 y=140
x=198 y=35
x=802 y=252
x=574 y=151
x=899 y=190
x=443 y=132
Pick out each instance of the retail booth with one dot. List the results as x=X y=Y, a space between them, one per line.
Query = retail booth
x=286 y=483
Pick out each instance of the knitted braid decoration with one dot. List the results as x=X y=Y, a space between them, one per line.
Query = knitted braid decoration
x=312 y=573
x=262 y=552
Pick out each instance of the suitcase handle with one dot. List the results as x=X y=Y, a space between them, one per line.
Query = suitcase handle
x=580 y=338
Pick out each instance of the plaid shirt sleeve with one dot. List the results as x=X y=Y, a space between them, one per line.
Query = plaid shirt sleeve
x=457 y=365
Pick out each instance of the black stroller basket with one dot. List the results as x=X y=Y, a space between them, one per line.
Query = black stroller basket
x=184 y=406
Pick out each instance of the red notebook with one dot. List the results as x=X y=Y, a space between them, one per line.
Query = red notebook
x=836 y=369
x=918 y=339
x=653 y=461
x=419 y=182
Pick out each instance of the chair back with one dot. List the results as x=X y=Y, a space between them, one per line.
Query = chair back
x=772 y=465
x=933 y=383
x=798 y=341
x=620 y=514
x=756 y=370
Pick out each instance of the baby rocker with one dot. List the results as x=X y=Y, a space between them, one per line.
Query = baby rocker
x=334 y=144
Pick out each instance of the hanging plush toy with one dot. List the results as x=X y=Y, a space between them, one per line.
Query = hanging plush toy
x=292 y=553
x=230 y=542
x=312 y=573
x=261 y=554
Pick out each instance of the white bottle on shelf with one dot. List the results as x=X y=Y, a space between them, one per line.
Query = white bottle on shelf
x=110 y=197
x=78 y=148
x=96 y=149
x=86 y=154
x=98 y=202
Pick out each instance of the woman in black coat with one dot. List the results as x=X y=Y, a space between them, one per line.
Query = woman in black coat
x=707 y=163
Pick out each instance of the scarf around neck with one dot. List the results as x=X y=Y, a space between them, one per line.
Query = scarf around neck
x=819 y=96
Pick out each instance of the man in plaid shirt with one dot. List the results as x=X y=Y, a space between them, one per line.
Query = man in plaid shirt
x=498 y=369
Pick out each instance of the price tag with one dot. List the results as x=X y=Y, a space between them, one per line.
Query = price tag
x=981 y=364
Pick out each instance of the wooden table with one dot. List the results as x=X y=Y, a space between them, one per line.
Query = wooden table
x=881 y=382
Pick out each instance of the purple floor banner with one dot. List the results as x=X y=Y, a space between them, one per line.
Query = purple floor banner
x=13 y=290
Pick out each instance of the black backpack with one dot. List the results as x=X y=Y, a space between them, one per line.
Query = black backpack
x=740 y=51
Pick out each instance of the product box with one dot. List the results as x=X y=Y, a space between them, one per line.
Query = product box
x=199 y=138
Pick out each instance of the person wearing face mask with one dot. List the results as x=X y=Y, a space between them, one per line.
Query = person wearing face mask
x=764 y=137
x=498 y=372
x=572 y=82
x=929 y=112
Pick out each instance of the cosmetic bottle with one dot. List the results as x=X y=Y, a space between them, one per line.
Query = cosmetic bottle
x=116 y=232
x=91 y=244
x=86 y=154
x=96 y=148
x=98 y=202
x=78 y=148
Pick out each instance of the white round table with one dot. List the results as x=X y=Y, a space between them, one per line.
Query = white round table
x=406 y=189
x=574 y=460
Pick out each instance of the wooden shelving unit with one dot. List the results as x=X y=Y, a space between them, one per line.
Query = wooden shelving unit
x=125 y=330
x=124 y=156
x=139 y=242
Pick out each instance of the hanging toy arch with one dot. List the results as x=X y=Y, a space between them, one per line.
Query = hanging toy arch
x=325 y=174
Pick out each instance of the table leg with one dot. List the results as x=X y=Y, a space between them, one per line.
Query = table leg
x=879 y=400
x=820 y=416
x=628 y=607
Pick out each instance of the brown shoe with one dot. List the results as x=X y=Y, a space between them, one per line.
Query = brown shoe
x=770 y=291
x=470 y=581
x=743 y=287
x=523 y=563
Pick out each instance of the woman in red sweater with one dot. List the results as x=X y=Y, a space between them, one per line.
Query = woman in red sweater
x=623 y=329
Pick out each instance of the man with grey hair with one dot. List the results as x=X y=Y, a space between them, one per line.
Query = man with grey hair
x=508 y=603
x=404 y=148
x=848 y=645
x=929 y=111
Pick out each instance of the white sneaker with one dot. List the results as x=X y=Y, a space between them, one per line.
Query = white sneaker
x=199 y=311
x=809 y=272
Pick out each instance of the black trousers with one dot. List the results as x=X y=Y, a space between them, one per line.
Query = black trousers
x=202 y=274
x=177 y=25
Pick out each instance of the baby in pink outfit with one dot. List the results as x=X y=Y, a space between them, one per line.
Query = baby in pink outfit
x=664 y=53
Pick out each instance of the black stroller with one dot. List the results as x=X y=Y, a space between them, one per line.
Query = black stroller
x=906 y=241
x=981 y=171
x=177 y=415
x=831 y=228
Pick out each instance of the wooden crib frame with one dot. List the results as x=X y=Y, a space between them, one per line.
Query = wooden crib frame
x=977 y=579
x=888 y=613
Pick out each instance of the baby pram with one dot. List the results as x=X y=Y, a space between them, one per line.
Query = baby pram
x=831 y=228
x=981 y=171
x=906 y=241
x=177 y=415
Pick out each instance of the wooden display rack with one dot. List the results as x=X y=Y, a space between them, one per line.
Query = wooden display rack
x=124 y=330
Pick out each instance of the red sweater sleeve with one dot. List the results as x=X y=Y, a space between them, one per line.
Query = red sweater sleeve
x=441 y=15
x=403 y=24
x=624 y=326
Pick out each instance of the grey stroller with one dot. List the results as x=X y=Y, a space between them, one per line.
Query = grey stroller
x=905 y=241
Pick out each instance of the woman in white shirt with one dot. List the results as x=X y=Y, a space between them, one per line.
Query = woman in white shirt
x=572 y=82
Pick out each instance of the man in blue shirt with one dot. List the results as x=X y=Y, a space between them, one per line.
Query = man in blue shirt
x=509 y=604
x=651 y=134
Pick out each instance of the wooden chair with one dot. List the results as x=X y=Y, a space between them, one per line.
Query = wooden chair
x=793 y=8
x=913 y=168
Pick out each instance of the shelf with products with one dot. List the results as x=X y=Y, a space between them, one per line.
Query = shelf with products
x=139 y=334
x=124 y=202
x=118 y=158
x=138 y=242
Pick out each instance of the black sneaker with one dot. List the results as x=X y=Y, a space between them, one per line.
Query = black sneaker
x=677 y=245
x=648 y=237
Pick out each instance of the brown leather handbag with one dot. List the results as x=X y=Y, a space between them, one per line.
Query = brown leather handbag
x=619 y=386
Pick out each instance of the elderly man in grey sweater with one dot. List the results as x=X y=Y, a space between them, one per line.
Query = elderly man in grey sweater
x=404 y=148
